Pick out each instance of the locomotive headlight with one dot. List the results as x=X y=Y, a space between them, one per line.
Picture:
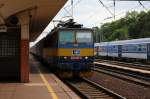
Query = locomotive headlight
x=86 y=57
x=65 y=57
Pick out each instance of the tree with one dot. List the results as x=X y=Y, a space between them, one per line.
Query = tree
x=133 y=25
x=119 y=34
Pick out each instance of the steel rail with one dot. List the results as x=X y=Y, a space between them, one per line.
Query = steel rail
x=124 y=74
x=90 y=90
x=132 y=65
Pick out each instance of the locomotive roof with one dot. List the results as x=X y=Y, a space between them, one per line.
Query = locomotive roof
x=57 y=29
x=69 y=25
x=74 y=28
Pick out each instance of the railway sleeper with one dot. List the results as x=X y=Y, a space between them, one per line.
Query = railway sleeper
x=104 y=96
x=96 y=93
x=93 y=91
x=87 y=88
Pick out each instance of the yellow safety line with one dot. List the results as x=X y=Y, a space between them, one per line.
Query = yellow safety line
x=50 y=89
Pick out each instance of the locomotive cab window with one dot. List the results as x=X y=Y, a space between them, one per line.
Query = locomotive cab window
x=66 y=37
x=84 y=37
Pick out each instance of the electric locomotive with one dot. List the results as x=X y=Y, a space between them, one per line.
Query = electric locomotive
x=69 y=49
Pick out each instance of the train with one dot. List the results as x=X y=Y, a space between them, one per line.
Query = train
x=134 y=49
x=68 y=49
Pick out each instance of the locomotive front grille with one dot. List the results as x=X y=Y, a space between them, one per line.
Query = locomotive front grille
x=76 y=66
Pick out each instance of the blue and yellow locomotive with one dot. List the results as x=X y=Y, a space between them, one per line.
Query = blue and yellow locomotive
x=69 y=49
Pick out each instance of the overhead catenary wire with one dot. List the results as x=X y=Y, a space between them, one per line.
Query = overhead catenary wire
x=114 y=8
x=92 y=15
x=121 y=13
x=131 y=9
x=105 y=7
x=113 y=14
x=70 y=10
x=142 y=5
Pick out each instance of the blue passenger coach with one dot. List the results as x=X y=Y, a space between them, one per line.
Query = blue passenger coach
x=138 y=49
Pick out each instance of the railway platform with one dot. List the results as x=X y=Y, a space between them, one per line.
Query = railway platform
x=42 y=85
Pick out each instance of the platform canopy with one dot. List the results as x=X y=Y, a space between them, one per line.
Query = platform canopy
x=41 y=12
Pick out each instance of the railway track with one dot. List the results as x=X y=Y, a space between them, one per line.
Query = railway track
x=125 y=64
x=128 y=75
x=90 y=90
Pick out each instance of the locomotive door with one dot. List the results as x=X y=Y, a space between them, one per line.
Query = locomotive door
x=9 y=56
x=148 y=51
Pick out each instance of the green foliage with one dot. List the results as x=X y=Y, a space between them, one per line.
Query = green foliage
x=119 y=34
x=133 y=25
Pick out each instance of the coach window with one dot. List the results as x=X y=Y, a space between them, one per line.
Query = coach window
x=144 y=48
x=139 y=48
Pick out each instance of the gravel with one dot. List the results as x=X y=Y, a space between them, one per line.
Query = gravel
x=124 y=88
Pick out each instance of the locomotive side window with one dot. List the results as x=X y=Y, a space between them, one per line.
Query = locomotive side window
x=67 y=37
x=84 y=37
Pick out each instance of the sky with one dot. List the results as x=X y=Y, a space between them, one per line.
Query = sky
x=92 y=13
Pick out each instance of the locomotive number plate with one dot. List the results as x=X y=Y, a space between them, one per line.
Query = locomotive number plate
x=76 y=52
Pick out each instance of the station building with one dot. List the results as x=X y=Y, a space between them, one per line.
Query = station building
x=22 y=21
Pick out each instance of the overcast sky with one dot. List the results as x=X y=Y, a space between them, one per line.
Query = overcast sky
x=91 y=13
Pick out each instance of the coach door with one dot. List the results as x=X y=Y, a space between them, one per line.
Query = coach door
x=9 y=56
x=119 y=50
x=148 y=51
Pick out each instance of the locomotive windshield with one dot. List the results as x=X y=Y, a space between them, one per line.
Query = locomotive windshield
x=75 y=37
x=84 y=37
x=67 y=37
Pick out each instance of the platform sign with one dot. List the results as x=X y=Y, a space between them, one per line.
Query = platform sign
x=3 y=28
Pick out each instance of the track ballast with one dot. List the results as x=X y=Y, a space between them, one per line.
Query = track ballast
x=90 y=90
